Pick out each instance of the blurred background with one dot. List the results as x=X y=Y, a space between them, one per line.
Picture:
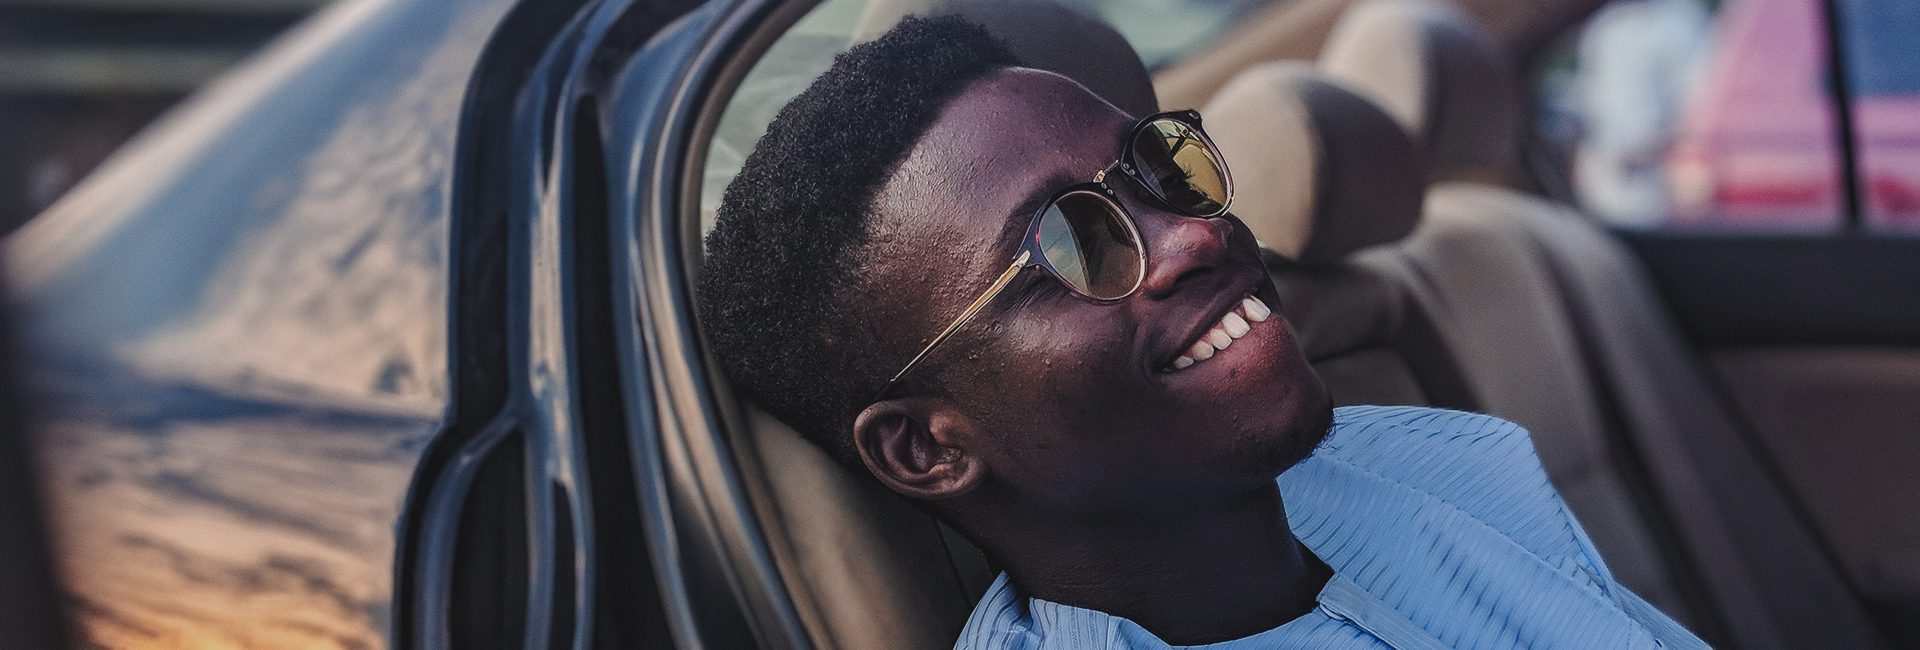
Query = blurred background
x=80 y=77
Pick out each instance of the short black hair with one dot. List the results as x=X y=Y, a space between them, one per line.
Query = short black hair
x=782 y=260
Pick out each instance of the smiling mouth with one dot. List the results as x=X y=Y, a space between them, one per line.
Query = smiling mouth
x=1231 y=326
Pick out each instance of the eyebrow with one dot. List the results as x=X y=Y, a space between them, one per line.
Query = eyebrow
x=1126 y=133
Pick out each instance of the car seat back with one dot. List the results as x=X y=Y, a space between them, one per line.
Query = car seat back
x=865 y=568
x=1497 y=301
x=1559 y=331
x=1322 y=174
x=1440 y=74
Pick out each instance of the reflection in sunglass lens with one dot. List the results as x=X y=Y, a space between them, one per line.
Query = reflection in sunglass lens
x=1087 y=242
x=1180 y=167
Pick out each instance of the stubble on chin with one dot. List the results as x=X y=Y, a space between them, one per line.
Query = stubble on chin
x=1269 y=454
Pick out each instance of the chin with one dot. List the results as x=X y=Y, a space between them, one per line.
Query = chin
x=1276 y=449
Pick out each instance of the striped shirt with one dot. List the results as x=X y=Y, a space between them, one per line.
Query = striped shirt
x=1442 y=532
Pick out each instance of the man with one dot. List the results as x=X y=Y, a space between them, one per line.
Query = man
x=1031 y=314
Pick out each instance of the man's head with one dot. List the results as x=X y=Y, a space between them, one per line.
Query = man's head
x=887 y=196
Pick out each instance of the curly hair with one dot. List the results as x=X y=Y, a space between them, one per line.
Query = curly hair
x=775 y=290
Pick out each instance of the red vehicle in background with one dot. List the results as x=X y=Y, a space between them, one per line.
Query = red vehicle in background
x=1755 y=144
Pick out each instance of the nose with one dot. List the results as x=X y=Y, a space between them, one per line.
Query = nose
x=1181 y=248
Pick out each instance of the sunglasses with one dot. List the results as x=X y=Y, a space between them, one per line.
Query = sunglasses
x=1088 y=241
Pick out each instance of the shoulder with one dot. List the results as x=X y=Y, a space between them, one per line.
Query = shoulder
x=1418 y=489
x=1479 y=464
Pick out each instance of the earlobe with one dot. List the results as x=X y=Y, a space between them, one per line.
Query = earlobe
x=918 y=447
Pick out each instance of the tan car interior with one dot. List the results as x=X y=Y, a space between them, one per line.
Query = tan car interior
x=1326 y=174
x=1414 y=276
x=1561 y=333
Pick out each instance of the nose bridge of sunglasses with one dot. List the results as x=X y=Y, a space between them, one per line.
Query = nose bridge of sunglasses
x=1140 y=201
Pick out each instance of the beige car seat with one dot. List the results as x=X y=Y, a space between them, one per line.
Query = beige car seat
x=1558 y=329
x=1322 y=174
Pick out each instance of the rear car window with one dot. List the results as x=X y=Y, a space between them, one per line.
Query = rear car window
x=1883 y=66
x=1678 y=113
x=1702 y=114
x=1883 y=46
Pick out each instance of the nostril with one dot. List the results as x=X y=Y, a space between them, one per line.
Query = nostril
x=1168 y=280
x=1191 y=274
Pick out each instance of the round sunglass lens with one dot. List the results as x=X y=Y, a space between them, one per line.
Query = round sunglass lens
x=1181 y=167
x=1087 y=242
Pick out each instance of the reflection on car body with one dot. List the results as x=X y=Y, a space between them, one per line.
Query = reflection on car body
x=248 y=360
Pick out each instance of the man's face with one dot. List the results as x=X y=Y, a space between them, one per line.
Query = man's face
x=1079 y=410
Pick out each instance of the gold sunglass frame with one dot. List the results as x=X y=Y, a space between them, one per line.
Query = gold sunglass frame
x=1031 y=252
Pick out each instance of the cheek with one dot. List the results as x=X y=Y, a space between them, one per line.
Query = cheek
x=1092 y=402
x=1057 y=387
x=1084 y=368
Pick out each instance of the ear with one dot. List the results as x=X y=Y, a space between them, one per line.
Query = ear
x=919 y=447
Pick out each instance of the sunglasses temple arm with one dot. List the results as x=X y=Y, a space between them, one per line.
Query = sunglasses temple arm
x=972 y=310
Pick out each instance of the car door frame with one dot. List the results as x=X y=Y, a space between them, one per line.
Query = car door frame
x=634 y=498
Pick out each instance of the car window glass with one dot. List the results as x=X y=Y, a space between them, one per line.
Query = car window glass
x=793 y=61
x=1161 y=31
x=1883 y=64
x=1698 y=114
x=1881 y=46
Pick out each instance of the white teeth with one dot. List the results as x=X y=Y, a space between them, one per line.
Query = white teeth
x=1235 y=326
x=1232 y=326
x=1256 y=311
x=1201 y=351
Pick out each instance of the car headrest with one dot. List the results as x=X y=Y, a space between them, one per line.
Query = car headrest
x=1046 y=35
x=1319 y=172
x=1437 y=71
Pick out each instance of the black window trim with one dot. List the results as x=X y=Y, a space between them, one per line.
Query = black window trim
x=521 y=309
x=1847 y=139
x=715 y=544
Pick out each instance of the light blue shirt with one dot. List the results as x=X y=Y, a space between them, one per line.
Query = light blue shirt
x=1442 y=532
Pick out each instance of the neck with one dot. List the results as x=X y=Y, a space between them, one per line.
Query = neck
x=1206 y=578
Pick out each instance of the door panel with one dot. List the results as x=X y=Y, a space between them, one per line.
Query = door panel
x=1738 y=289
x=1816 y=344
x=1840 y=421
